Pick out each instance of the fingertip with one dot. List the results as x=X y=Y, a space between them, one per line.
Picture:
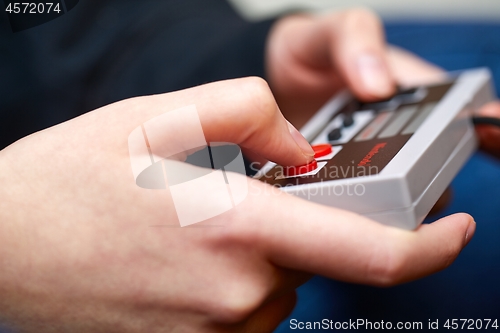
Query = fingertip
x=491 y=110
x=439 y=244
x=466 y=225
x=464 y=217
x=302 y=143
x=375 y=79
x=462 y=224
x=471 y=230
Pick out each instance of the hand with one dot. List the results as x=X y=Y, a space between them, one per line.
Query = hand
x=489 y=136
x=309 y=58
x=79 y=251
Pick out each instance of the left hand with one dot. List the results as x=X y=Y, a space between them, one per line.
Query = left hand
x=489 y=136
x=310 y=58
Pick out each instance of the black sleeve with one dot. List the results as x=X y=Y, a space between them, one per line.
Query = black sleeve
x=108 y=50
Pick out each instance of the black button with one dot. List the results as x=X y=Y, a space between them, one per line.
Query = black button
x=348 y=119
x=335 y=134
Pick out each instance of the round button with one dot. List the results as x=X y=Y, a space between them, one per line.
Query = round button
x=299 y=170
x=335 y=134
x=348 y=119
x=321 y=150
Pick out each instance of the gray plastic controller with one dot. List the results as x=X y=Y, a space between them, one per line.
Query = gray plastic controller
x=415 y=143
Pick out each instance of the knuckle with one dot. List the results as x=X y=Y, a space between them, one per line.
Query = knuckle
x=387 y=266
x=260 y=97
x=256 y=85
x=239 y=300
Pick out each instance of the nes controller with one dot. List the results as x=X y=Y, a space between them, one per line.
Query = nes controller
x=390 y=160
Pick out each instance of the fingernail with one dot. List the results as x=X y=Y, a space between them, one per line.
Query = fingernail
x=470 y=232
x=301 y=141
x=374 y=75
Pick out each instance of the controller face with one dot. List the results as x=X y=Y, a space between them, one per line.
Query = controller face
x=389 y=160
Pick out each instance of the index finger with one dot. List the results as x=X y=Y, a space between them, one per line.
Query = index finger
x=241 y=111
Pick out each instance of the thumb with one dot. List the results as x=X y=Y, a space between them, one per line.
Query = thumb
x=357 y=45
x=241 y=111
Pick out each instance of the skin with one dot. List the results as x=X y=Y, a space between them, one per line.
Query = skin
x=310 y=58
x=80 y=252
x=100 y=266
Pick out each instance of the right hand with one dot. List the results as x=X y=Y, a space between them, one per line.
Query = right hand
x=489 y=136
x=78 y=251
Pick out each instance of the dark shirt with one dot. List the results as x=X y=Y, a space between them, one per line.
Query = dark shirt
x=107 y=50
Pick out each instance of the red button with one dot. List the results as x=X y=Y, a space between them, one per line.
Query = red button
x=322 y=150
x=299 y=170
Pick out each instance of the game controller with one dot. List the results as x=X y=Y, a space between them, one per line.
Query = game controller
x=390 y=160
